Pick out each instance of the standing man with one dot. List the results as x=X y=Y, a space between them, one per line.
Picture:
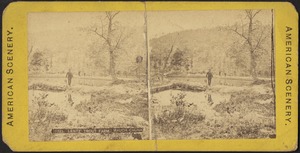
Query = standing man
x=209 y=76
x=69 y=77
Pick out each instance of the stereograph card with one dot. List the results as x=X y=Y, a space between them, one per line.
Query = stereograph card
x=150 y=76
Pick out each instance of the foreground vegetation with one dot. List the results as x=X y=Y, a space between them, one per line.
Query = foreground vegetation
x=114 y=106
x=249 y=113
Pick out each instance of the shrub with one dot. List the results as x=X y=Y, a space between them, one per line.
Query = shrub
x=178 y=118
x=43 y=118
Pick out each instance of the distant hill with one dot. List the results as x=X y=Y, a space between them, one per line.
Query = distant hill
x=216 y=48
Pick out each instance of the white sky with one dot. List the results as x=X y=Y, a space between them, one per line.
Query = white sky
x=171 y=21
x=57 y=31
x=60 y=31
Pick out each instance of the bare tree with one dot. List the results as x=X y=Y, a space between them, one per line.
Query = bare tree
x=253 y=38
x=112 y=38
x=162 y=51
x=167 y=58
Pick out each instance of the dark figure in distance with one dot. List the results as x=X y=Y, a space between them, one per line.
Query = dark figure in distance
x=209 y=76
x=69 y=77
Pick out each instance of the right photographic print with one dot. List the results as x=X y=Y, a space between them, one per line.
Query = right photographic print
x=212 y=74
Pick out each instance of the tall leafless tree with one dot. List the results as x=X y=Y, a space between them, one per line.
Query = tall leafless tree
x=112 y=38
x=253 y=38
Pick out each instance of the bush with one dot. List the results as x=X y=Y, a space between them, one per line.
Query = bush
x=178 y=118
x=43 y=117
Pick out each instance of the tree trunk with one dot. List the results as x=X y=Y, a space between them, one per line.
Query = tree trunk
x=252 y=56
x=112 y=64
x=253 y=66
x=166 y=60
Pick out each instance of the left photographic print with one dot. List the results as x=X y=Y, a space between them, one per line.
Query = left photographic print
x=87 y=76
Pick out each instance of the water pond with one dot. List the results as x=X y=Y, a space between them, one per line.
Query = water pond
x=204 y=101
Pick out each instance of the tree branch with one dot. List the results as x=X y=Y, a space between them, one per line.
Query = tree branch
x=240 y=34
x=101 y=35
x=249 y=13
x=260 y=40
x=262 y=48
x=110 y=15
x=115 y=14
x=117 y=46
x=255 y=13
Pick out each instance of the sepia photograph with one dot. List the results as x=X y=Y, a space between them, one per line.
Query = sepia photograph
x=87 y=76
x=212 y=74
x=151 y=75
